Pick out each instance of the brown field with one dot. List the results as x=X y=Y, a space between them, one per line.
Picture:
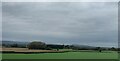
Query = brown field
x=25 y=50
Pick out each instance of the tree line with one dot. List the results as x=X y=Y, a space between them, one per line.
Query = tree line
x=44 y=46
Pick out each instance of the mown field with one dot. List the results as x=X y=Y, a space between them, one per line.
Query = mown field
x=24 y=54
x=66 y=55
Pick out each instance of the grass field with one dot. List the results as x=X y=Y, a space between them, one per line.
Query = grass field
x=66 y=55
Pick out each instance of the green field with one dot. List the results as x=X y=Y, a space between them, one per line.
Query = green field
x=66 y=55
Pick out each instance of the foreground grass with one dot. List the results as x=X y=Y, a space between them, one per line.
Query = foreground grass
x=66 y=55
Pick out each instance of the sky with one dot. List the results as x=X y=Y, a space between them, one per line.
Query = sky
x=84 y=23
x=60 y=0
x=0 y=21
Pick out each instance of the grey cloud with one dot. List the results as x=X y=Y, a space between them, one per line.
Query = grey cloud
x=66 y=22
x=60 y=0
x=0 y=21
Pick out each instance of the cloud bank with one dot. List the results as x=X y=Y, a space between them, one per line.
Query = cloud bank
x=64 y=23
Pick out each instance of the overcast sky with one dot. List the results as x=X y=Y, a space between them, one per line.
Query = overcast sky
x=94 y=24
x=60 y=0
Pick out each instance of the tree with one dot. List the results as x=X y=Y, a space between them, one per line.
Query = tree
x=57 y=49
x=36 y=45
x=99 y=49
x=113 y=49
x=4 y=45
x=67 y=46
x=14 y=45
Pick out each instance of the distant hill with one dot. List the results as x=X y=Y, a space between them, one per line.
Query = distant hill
x=9 y=43
x=82 y=46
x=14 y=42
x=73 y=46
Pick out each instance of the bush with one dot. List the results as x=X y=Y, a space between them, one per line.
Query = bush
x=36 y=45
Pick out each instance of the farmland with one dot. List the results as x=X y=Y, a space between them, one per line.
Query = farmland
x=66 y=55
x=85 y=55
x=17 y=53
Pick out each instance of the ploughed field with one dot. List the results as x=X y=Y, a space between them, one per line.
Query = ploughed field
x=48 y=54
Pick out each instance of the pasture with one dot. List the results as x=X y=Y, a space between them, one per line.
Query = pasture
x=20 y=54
x=66 y=55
